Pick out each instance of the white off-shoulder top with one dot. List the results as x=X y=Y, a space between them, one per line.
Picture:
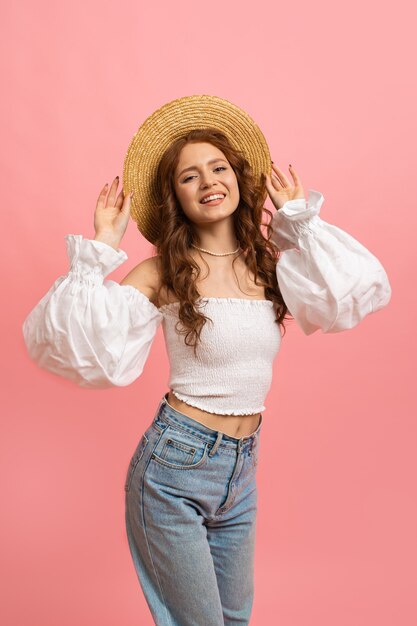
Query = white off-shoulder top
x=98 y=333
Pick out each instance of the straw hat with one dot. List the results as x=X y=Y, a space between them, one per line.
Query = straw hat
x=173 y=120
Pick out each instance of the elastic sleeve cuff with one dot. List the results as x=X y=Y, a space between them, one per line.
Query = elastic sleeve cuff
x=294 y=219
x=88 y=256
x=301 y=209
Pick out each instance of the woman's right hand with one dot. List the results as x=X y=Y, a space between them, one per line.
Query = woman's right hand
x=111 y=216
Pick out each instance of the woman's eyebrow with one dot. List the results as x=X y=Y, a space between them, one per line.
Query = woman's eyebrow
x=194 y=167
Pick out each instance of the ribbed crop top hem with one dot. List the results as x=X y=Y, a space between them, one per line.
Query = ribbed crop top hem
x=203 y=407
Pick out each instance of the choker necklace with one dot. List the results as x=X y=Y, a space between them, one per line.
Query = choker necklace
x=216 y=253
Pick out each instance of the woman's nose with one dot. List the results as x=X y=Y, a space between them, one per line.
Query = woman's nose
x=206 y=179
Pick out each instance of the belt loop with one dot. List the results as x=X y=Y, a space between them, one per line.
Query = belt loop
x=161 y=404
x=216 y=444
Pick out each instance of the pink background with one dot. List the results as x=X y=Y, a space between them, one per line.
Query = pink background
x=330 y=86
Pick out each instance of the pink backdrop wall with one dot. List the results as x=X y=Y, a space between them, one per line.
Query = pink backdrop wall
x=331 y=87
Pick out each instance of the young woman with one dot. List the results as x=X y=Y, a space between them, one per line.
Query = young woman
x=221 y=289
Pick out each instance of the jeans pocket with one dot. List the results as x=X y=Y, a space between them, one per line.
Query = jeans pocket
x=140 y=449
x=178 y=449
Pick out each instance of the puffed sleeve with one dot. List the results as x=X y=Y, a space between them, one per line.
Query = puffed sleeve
x=94 y=332
x=328 y=280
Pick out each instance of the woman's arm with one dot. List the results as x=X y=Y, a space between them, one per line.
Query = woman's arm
x=95 y=332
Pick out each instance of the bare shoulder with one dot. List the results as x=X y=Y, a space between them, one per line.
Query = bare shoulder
x=145 y=277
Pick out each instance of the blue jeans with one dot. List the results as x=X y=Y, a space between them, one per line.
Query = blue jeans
x=191 y=501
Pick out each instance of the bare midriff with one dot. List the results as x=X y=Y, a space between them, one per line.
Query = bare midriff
x=233 y=425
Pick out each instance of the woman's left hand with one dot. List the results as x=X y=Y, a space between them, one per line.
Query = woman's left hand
x=280 y=189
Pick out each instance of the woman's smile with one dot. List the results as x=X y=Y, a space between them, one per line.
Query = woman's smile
x=213 y=202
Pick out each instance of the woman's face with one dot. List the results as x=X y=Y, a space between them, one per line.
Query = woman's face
x=208 y=172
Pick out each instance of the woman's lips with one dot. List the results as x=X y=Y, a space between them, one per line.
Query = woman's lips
x=212 y=202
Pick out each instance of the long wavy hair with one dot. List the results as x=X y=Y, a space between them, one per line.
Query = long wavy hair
x=178 y=270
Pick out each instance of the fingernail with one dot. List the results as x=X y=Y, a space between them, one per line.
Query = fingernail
x=290 y=165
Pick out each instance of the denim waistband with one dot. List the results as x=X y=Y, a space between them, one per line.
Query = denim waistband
x=170 y=415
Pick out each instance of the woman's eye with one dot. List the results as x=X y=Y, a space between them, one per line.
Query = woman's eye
x=221 y=167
